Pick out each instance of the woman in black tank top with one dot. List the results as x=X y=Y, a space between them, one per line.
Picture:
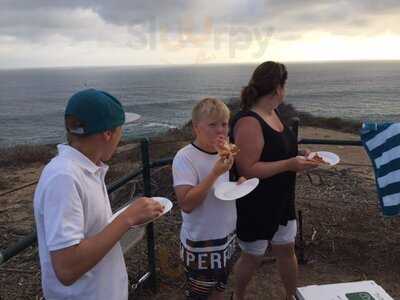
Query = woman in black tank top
x=268 y=151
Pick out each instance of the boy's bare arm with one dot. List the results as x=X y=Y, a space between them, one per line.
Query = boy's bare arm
x=190 y=197
x=72 y=262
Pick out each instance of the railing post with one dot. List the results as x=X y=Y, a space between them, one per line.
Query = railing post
x=149 y=228
x=302 y=260
x=22 y=244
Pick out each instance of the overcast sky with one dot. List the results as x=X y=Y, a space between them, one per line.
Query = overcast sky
x=38 y=33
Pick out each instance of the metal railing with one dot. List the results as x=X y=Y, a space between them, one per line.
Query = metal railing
x=145 y=169
x=295 y=127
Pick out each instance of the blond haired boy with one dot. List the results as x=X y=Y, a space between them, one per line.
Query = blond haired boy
x=207 y=232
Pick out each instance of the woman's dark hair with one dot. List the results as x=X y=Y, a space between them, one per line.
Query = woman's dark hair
x=266 y=78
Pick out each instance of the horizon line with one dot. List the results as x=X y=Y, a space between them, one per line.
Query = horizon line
x=191 y=65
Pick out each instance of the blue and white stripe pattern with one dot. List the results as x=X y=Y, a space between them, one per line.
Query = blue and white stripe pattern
x=382 y=142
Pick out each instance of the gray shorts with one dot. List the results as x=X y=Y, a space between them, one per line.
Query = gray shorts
x=284 y=235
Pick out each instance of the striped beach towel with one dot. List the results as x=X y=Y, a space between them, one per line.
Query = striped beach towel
x=382 y=143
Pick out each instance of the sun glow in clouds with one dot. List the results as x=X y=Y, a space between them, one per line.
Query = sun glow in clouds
x=324 y=46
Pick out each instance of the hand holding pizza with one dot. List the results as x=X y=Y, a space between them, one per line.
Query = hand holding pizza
x=225 y=149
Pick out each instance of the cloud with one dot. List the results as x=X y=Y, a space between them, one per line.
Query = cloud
x=67 y=30
x=36 y=19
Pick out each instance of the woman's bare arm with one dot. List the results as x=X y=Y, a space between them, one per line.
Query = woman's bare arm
x=249 y=138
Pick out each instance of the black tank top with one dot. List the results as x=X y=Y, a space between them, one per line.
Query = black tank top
x=272 y=203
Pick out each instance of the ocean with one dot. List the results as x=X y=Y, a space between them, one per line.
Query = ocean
x=32 y=100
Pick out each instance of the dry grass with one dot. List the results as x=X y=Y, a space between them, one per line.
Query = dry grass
x=21 y=155
x=3 y=183
x=345 y=239
x=334 y=123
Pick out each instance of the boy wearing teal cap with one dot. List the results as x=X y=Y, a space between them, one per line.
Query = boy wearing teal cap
x=80 y=254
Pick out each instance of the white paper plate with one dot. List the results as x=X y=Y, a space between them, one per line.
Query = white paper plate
x=163 y=201
x=329 y=157
x=231 y=190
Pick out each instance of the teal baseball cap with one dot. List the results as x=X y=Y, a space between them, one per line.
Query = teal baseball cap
x=98 y=111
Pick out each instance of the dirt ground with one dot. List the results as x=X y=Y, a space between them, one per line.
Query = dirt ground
x=345 y=237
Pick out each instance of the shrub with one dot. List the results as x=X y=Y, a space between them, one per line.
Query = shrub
x=288 y=112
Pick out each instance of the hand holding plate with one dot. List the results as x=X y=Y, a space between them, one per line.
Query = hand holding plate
x=142 y=210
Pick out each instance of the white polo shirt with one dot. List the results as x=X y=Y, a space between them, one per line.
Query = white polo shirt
x=71 y=204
